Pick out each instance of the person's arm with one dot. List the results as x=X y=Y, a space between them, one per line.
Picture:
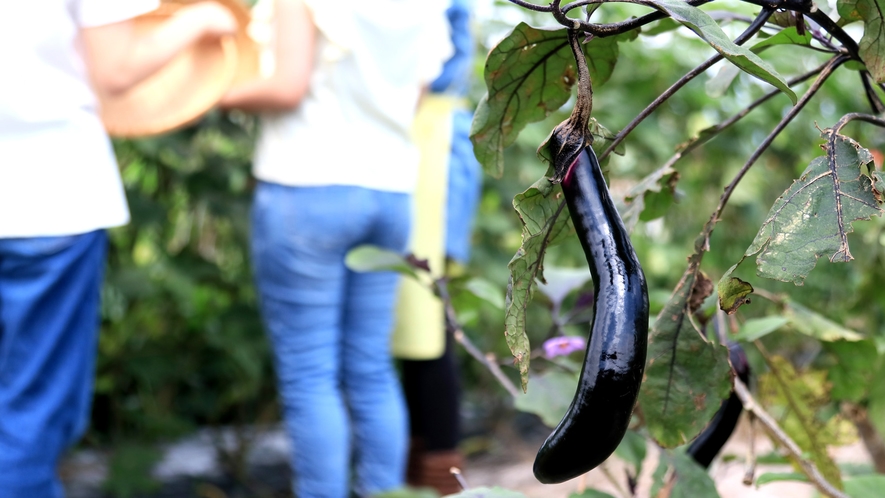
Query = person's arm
x=119 y=58
x=294 y=53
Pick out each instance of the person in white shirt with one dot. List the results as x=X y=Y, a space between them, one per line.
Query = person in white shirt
x=336 y=166
x=59 y=190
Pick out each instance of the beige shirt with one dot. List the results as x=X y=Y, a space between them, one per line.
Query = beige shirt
x=353 y=125
x=58 y=174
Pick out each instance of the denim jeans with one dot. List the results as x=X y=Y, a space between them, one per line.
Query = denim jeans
x=49 y=318
x=330 y=331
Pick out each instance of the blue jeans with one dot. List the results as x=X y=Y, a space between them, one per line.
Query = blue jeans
x=49 y=318
x=330 y=330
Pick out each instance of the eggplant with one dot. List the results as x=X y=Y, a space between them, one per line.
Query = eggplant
x=614 y=361
x=706 y=446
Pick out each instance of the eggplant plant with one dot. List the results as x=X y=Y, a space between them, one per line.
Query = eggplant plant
x=672 y=391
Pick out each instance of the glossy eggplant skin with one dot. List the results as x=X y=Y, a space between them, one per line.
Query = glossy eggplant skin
x=706 y=446
x=615 y=358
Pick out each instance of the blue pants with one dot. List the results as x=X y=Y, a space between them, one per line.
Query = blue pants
x=49 y=317
x=330 y=330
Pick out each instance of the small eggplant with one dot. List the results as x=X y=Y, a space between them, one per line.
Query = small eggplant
x=707 y=445
x=615 y=358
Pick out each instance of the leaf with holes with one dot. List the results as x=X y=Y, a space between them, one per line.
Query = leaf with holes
x=528 y=75
x=686 y=376
x=872 y=43
x=706 y=28
x=813 y=217
x=540 y=209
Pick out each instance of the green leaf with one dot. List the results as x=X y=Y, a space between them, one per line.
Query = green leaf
x=717 y=85
x=788 y=36
x=770 y=477
x=632 y=450
x=590 y=493
x=872 y=44
x=372 y=258
x=733 y=292
x=799 y=398
x=692 y=480
x=541 y=210
x=705 y=27
x=686 y=377
x=496 y=492
x=634 y=203
x=757 y=328
x=804 y=223
x=869 y=486
x=815 y=325
x=528 y=75
x=562 y=281
x=853 y=373
x=550 y=395
x=487 y=291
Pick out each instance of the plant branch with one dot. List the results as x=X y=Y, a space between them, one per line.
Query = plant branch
x=531 y=6
x=715 y=130
x=794 y=111
x=830 y=26
x=776 y=433
x=852 y=117
x=751 y=30
x=873 y=97
x=454 y=327
x=613 y=29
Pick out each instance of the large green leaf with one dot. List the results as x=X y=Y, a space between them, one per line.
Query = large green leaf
x=705 y=27
x=545 y=223
x=872 y=44
x=813 y=217
x=687 y=376
x=528 y=75
x=796 y=399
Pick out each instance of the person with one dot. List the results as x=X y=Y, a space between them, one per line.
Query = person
x=335 y=168
x=447 y=197
x=59 y=191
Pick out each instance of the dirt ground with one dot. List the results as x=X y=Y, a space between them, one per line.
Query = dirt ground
x=513 y=470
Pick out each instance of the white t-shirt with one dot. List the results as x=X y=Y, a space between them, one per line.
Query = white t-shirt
x=58 y=174
x=353 y=125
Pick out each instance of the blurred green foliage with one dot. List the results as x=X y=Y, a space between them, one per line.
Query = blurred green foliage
x=181 y=343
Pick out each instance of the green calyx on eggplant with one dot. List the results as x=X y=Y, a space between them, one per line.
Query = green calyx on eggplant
x=707 y=445
x=614 y=362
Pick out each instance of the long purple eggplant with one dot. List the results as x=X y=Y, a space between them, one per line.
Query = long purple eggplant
x=615 y=358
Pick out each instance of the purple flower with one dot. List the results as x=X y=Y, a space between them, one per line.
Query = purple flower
x=561 y=346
